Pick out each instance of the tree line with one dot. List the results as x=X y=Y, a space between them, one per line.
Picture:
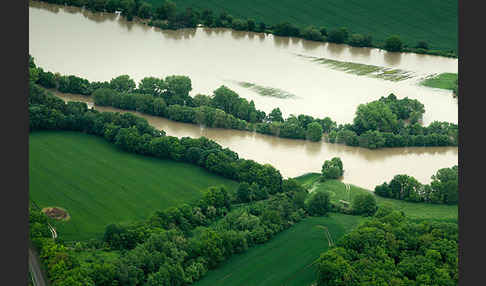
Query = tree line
x=176 y=246
x=168 y=16
x=387 y=122
x=392 y=122
x=444 y=188
x=134 y=134
x=391 y=249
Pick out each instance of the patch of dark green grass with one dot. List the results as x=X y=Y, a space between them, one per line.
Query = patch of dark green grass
x=99 y=184
x=433 y=21
x=443 y=80
x=287 y=259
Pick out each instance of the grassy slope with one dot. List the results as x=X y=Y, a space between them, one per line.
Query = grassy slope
x=443 y=80
x=284 y=260
x=434 y=21
x=413 y=210
x=99 y=184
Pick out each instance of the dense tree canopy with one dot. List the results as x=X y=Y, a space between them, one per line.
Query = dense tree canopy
x=393 y=44
x=375 y=115
x=364 y=204
x=332 y=169
x=442 y=190
x=390 y=249
x=318 y=203
x=387 y=122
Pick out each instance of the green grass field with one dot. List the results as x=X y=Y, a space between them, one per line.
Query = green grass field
x=443 y=80
x=284 y=260
x=99 y=184
x=434 y=21
x=338 y=192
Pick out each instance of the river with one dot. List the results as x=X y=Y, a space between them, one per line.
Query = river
x=101 y=46
x=363 y=167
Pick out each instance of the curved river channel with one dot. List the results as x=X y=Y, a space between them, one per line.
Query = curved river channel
x=101 y=46
x=363 y=167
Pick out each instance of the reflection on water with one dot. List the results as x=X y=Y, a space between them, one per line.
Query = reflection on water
x=281 y=42
x=310 y=45
x=363 y=52
x=238 y=35
x=392 y=58
x=363 y=167
x=335 y=49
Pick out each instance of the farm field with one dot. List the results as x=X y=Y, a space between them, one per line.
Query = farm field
x=99 y=184
x=434 y=21
x=412 y=210
x=286 y=259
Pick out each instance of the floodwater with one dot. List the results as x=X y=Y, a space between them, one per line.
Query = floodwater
x=101 y=46
x=363 y=167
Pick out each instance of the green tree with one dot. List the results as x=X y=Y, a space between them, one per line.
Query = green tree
x=122 y=83
x=145 y=10
x=338 y=36
x=393 y=44
x=243 y=192
x=364 y=204
x=311 y=33
x=375 y=115
x=371 y=139
x=151 y=85
x=314 y=131
x=113 y=5
x=250 y=23
x=318 y=204
x=178 y=88
x=332 y=169
x=422 y=45
x=445 y=183
x=167 y=11
x=275 y=115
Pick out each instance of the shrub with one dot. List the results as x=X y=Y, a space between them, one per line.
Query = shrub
x=364 y=204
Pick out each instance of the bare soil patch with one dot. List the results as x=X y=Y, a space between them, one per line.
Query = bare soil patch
x=56 y=213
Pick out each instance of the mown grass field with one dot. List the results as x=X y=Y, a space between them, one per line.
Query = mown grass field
x=443 y=80
x=434 y=21
x=338 y=192
x=284 y=260
x=99 y=184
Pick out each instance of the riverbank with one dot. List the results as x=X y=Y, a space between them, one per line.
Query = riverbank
x=382 y=163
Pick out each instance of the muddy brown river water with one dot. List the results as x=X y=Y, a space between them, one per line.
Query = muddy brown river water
x=363 y=167
x=100 y=46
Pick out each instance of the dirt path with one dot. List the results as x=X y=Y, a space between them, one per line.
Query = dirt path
x=348 y=189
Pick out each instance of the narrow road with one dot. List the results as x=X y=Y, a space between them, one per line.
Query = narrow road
x=35 y=269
